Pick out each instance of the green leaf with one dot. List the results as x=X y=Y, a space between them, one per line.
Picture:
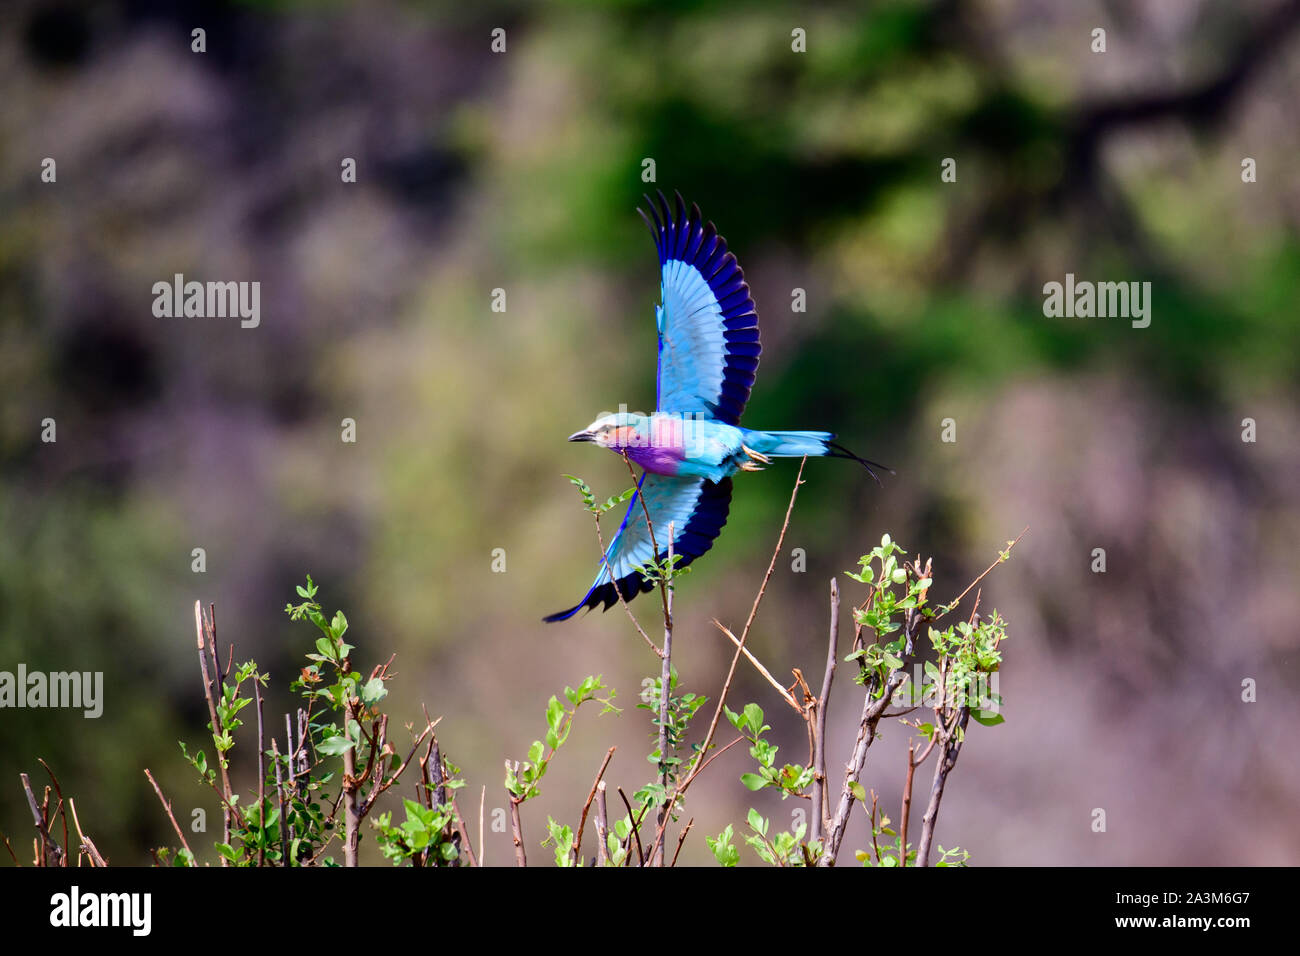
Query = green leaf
x=554 y=713
x=588 y=499
x=723 y=850
x=753 y=781
x=987 y=717
x=736 y=720
x=858 y=791
x=373 y=692
x=618 y=499
x=333 y=746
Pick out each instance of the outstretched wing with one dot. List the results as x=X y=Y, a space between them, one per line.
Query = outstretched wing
x=708 y=329
x=697 y=510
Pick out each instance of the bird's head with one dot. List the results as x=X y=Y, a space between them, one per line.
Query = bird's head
x=615 y=432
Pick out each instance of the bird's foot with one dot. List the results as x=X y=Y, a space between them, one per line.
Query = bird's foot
x=755 y=456
x=750 y=466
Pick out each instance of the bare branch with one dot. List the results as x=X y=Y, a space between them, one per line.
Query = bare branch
x=517 y=832
x=602 y=825
x=682 y=839
x=180 y=834
x=953 y=739
x=280 y=798
x=635 y=820
x=665 y=687
x=482 y=799
x=952 y=605
x=52 y=850
x=204 y=630
x=820 y=808
x=261 y=772
x=58 y=790
x=87 y=844
x=582 y=823
x=758 y=666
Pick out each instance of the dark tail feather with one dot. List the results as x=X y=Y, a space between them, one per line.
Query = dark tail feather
x=841 y=452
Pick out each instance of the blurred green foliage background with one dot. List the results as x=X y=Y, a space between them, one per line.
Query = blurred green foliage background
x=520 y=171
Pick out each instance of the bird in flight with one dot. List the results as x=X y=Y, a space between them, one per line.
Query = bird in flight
x=693 y=443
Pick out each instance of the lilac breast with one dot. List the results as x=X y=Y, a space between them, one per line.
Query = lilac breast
x=660 y=459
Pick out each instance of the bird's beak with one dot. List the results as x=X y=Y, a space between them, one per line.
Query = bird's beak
x=583 y=435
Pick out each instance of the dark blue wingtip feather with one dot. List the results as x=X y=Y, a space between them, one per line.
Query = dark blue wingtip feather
x=696 y=538
x=630 y=585
x=562 y=615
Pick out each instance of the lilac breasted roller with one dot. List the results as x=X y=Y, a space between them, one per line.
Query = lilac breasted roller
x=694 y=442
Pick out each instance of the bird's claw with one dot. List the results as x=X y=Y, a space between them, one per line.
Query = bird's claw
x=755 y=456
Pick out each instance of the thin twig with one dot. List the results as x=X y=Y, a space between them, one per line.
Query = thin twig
x=470 y=858
x=261 y=774
x=216 y=661
x=582 y=823
x=436 y=775
x=665 y=685
x=875 y=845
x=907 y=804
x=419 y=858
x=758 y=666
x=280 y=799
x=516 y=831
x=482 y=848
x=87 y=844
x=913 y=762
x=602 y=825
x=51 y=848
x=209 y=691
x=953 y=739
x=351 y=786
x=820 y=807
x=682 y=839
x=58 y=790
x=952 y=605
x=12 y=855
x=718 y=753
x=636 y=829
x=168 y=807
